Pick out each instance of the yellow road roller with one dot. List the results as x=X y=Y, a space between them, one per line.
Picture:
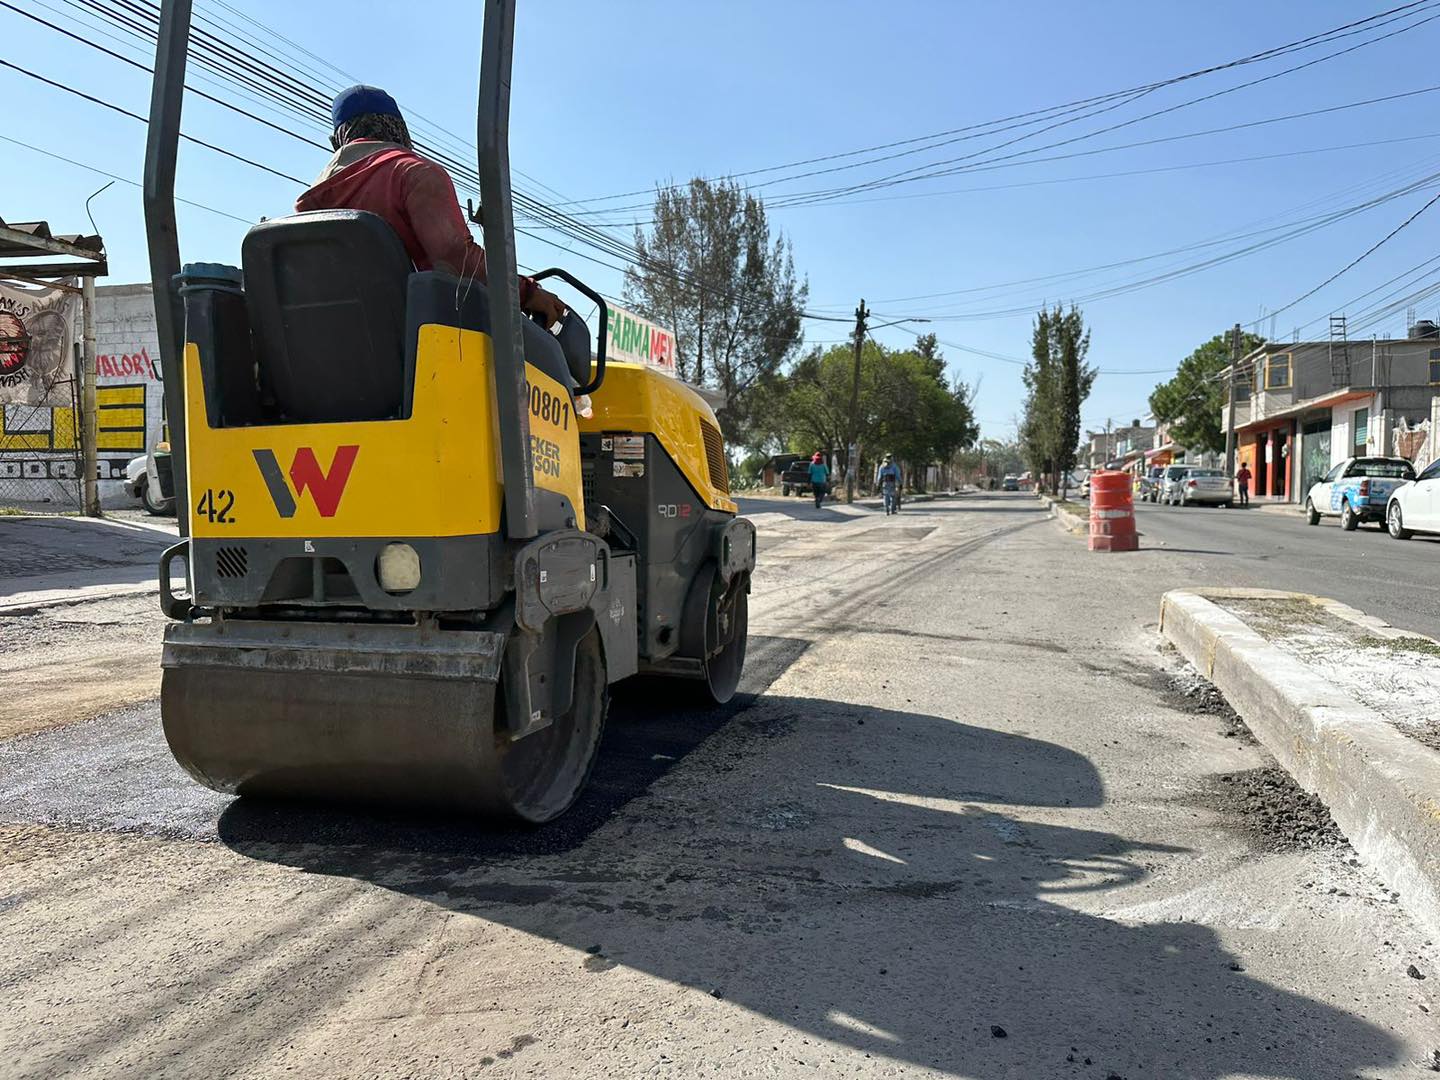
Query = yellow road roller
x=413 y=567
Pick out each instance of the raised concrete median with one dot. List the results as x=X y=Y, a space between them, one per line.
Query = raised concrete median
x=1380 y=781
x=1072 y=517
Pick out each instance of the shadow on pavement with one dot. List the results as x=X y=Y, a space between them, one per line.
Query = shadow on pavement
x=980 y=506
x=640 y=745
x=806 y=889
x=799 y=509
x=41 y=553
x=1191 y=551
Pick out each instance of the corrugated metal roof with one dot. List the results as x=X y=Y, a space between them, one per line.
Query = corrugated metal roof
x=41 y=231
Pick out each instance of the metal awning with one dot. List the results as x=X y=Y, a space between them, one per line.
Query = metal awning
x=34 y=240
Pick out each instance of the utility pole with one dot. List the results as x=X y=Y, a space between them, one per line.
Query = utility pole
x=852 y=450
x=1108 y=452
x=1235 y=345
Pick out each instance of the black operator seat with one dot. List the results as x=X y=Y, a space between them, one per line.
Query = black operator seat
x=326 y=293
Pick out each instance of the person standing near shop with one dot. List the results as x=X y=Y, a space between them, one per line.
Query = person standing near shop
x=1242 y=480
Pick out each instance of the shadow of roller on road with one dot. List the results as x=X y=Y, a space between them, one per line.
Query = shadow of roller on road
x=801 y=508
x=798 y=883
x=639 y=746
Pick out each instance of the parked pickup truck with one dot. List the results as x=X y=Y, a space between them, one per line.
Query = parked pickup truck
x=795 y=480
x=1357 y=489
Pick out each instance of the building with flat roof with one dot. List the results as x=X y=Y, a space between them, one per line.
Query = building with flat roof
x=1302 y=407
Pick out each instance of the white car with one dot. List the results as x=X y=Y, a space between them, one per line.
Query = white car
x=1357 y=490
x=1415 y=507
x=142 y=482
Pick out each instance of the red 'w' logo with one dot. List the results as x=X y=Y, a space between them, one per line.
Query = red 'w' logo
x=325 y=486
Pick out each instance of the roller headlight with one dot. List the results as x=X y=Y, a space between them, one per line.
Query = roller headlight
x=398 y=568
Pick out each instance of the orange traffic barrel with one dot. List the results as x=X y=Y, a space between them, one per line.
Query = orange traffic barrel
x=1112 y=512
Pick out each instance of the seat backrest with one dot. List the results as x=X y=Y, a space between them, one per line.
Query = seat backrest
x=326 y=297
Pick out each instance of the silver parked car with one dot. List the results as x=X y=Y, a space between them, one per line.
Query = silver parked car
x=1167 y=485
x=1209 y=487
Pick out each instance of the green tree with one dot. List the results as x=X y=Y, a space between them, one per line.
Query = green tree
x=923 y=418
x=905 y=407
x=710 y=270
x=1192 y=402
x=1057 y=382
x=1071 y=345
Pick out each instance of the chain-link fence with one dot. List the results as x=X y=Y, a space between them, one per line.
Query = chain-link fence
x=40 y=455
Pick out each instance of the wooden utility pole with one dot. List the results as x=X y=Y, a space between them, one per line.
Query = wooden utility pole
x=1235 y=346
x=852 y=449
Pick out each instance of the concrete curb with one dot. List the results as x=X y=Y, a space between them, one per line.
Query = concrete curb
x=1293 y=509
x=1382 y=787
x=1071 y=523
x=30 y=603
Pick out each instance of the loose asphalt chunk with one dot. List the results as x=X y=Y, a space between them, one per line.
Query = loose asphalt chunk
x=1273 y=811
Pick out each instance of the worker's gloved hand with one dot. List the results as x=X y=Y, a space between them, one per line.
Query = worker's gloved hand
x=547 y=305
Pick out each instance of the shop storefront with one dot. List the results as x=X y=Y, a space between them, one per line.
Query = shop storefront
x=1266 y=448
x=1315 y=445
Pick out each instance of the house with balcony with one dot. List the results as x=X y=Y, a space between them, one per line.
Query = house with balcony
x=1302 y=407
x=1120 y=448
x=1166 y=451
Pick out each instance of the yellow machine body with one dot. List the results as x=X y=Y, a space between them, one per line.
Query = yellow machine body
x=638 y=398
x=434 y=473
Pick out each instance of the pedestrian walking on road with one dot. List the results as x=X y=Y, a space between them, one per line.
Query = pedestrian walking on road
x=1242 y=479
x=819 y=478
x=888 y=477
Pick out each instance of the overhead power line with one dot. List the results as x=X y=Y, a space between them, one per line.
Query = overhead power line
x=1357 y=26
x=122 y=179
x=1249 y=159
x=1261 y=239
x=958 y=164
x=136 y=116
x=227 y=58
x=1355 y=261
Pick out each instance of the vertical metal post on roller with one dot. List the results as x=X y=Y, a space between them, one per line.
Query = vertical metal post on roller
x=162 y=140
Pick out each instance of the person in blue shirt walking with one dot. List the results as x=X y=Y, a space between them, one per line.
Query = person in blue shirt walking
x=819 y=478
x=888 y=478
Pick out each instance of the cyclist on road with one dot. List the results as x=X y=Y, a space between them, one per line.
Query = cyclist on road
x=889 y=480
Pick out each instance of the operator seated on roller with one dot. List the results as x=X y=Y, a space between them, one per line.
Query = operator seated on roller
x=375 y=169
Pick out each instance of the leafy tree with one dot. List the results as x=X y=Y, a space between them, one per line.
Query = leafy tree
x=1057 y=382
x=1071 y=343
x=905 y=406
x=927 y=346
x=710 y=270
x=1039 y=421
x=1192 y=402
x=924 y=419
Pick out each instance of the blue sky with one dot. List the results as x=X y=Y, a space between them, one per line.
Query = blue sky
x=617 y=97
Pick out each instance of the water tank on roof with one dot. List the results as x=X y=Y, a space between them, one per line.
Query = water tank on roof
x=1425 y=329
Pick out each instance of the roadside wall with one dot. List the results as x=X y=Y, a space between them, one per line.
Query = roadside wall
x=129 y=396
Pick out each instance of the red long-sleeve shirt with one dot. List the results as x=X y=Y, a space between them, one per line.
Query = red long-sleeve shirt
x=416 y=198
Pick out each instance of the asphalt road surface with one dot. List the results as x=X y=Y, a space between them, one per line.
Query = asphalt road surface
x=962 y=822
x=1397 y=580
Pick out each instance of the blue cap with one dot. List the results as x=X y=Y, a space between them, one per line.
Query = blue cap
x=360 y=101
